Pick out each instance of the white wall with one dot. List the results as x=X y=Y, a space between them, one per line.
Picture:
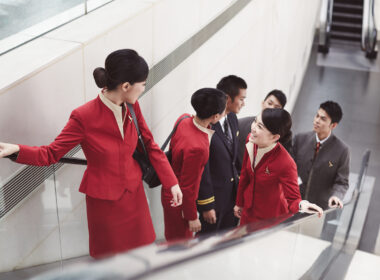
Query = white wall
x=377 y=18
x=267 y=43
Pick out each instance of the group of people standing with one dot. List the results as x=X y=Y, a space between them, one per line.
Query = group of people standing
x=223 y=169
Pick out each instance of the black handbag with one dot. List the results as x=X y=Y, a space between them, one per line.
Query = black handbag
x=149 y=174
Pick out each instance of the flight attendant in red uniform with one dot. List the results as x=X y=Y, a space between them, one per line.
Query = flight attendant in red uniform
x=117 y=210
x=268 y=184
x=190 y=151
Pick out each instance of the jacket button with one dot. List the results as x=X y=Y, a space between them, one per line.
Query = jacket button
x=232 y=179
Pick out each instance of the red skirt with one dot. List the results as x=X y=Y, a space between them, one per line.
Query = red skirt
x=176 y=227
x=117 y=226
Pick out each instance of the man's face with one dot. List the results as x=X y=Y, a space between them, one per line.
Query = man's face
x=238 y=102
x=322 y=124
x=271 y=102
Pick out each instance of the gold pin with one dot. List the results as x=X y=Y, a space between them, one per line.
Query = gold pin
x=267 y=170
x=330 y=164
x=130 y=118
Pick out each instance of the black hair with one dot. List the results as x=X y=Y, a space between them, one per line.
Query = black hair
x=278 y=121
x=333 y=109
x=121 y=66
x=231 y=85
x=208 y=102
x=281 y=97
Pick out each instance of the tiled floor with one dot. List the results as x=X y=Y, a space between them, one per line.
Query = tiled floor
x=30 y=272
x=358 y=92
x=363 y=266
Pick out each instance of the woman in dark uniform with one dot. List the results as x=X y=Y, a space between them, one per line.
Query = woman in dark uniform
x=117 y=210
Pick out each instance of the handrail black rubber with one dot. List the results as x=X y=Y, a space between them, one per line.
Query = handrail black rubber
x=66 y=160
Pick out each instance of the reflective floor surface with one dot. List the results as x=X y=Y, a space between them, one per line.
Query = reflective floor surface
x=358 y=92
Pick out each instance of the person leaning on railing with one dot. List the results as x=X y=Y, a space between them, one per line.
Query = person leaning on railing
x=117 y=210
x=268 y=181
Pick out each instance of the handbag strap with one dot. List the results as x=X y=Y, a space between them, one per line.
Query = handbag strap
x=171 y=133
x=130 y=108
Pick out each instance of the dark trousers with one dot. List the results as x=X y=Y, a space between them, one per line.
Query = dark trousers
x=225 y=220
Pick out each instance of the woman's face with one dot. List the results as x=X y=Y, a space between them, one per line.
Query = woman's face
x=260 y=135
x=132 y=92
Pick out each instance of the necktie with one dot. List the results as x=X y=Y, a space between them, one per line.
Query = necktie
x=226 y=131
x=317 y=149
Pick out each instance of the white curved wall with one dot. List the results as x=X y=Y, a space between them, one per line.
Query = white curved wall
x=267 y=43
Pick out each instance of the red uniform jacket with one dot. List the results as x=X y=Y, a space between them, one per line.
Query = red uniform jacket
x=190 y=152
x=111 y=168
x=271 y=189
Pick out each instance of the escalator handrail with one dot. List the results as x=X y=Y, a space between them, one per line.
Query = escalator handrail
x=65 y=159
x=325 y=20
x=369 y=31
x=151 y=256
x=297 y=219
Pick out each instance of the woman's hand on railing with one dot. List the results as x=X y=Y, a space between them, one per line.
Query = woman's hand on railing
x=335 y=202
x=310 y=208
x=177 y=196
x=7 y=149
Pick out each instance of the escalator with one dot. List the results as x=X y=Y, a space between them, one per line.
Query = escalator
x=348 y=23
x=297 y=246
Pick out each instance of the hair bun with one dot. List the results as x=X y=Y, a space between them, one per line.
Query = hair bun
x=284 y=139
x=100 y=77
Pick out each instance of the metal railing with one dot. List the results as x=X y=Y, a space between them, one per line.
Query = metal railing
x=150 y=260
x=325 y=20
x=369 y=31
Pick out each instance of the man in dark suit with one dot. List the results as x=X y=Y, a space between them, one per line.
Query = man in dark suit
x=220 y=178
x=274 y=99
x=323 y=159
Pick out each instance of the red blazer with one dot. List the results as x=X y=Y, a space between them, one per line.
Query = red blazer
x=111 y=168
x=190 y=152
x=271 y=189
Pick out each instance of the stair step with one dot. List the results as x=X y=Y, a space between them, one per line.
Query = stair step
x=347 y=27
x=352 y=2
x=349 y=6
x=350 y=9
x=339 y=43
x=344 y=17
x=346 y=36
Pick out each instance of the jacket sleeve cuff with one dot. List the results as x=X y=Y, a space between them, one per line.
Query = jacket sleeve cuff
x=239 y=201
x=169 y=183
x=206 y=204
x=295 y=206
x=190 y=213
x=25 y=154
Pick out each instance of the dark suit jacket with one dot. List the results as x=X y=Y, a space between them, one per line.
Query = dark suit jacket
x=327 y=175
x=220 y=177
